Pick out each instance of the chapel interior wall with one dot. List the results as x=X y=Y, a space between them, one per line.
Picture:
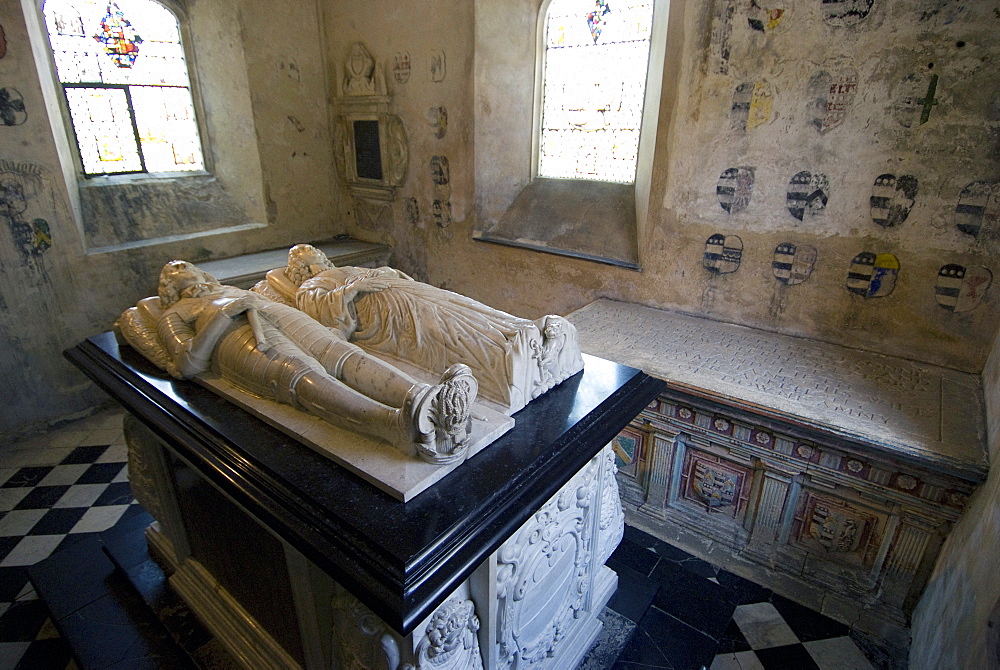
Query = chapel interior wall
x=474 y=63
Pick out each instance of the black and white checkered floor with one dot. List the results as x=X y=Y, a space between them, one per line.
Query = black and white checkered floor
x=70 y=485
x=692 y=614
x=55 y=490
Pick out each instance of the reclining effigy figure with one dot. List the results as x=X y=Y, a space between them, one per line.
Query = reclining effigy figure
x=386 y=312
x=275 y=351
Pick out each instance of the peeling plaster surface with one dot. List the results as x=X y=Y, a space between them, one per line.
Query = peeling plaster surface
x=63 y=279
x=840 y=108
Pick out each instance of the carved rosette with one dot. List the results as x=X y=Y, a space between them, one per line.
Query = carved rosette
x=450 y=641
x=544 y=573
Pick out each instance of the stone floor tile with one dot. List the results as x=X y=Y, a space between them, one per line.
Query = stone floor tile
x=837 y=653
x=9 y=498
x=11 y=653
x=97 y=519
x=763 y=626
x=744 y=660
x=81 y=495
x=31 y=549
x=20 y=521
x=64 y=474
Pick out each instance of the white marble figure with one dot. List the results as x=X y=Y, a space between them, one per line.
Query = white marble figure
x=271 y=350
x=387 y=313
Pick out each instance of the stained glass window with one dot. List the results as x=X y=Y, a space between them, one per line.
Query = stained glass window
x=596 y=54
x=121 y=65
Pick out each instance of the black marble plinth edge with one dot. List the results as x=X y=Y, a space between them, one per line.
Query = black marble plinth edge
x=401 y=560
x=796 y=426
x=345 y=555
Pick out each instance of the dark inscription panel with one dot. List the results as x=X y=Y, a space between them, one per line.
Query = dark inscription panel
x=367 y=152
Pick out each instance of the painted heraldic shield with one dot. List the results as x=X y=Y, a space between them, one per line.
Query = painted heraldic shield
x=807 y=194
x=793 y=263
x=723 y=253
x=872 y=275
x=735 y=188
x=961 y=289
x=977 y=208
x=892 y=199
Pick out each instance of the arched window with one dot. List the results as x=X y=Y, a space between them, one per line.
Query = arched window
x=122 y=68
x=593 y=87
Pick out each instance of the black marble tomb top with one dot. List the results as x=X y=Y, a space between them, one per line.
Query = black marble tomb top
x=400 y=559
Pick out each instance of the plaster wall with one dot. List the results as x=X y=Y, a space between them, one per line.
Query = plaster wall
x=261 y=68
x=881 y=63
x=426 y=52
x=957 y=622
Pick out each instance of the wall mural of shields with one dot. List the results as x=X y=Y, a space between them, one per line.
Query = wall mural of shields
x=892 y=199
x=723 y=253
x=872 y=275
x=961 y=289
x=977 y=208
x=793 y=263
x=807 y=194
x=735 y=188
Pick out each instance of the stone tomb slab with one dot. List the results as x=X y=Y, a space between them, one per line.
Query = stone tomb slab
x=377 y=462
x=931 y=414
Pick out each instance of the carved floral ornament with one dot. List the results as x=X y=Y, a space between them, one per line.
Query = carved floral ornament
x=450 y=642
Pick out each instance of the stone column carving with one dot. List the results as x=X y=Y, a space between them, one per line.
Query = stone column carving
x=152 y=486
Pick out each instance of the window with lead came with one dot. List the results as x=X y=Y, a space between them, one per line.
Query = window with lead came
x=122 y=68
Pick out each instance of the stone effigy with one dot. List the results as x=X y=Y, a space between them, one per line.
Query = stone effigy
x=386 y=312
x=370 y=351
x=265 y=348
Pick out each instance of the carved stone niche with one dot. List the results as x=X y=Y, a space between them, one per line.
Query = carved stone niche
x=369 y=141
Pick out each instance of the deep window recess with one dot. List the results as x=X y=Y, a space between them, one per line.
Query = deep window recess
x=594 y=81
x=122 y=69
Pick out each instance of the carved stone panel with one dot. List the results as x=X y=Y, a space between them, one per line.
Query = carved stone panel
x=837 y=530
x=544 y=574
x=713 y=484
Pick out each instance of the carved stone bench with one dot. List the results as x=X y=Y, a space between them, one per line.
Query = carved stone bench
x=829 y=474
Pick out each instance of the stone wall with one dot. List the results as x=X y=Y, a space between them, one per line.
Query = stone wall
x=426 y=52
x=741 y=98
x=811 y=116
x=64 y=277
x=957 y=623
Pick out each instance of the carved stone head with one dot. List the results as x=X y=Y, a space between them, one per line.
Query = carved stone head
x=180 y=279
